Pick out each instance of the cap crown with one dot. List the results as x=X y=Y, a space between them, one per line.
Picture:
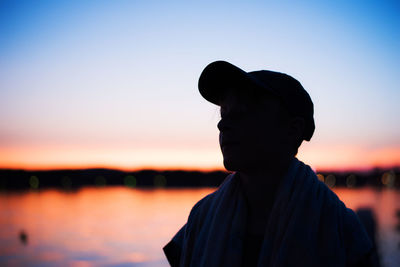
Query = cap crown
x=220 y=76
x=292 y=94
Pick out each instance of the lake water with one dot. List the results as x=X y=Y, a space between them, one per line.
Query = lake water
x=118 y=226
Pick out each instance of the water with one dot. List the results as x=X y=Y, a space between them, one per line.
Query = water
x=117 y=226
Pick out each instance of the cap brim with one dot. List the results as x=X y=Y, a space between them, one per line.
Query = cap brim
x=219 y=77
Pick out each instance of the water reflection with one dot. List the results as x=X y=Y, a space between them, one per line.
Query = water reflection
x=119 y=225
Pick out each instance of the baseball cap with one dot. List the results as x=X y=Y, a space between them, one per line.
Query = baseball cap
x=220 y=76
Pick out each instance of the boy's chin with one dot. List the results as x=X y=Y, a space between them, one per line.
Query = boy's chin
x=232 y=165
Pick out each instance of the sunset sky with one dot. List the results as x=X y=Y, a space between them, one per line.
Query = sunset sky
x=114 y=83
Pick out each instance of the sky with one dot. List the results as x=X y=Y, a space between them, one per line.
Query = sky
x=114 y=83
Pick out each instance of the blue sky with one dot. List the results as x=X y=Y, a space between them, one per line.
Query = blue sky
x=122 y=76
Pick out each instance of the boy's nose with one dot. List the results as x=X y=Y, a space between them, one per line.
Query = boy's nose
x=222 y=125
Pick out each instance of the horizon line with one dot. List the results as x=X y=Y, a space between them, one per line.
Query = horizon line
x=184 y=168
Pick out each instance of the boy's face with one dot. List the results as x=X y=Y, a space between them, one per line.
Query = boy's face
x=253 y=135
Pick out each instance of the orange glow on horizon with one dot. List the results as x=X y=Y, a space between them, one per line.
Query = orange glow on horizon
x=50 y=158
x=318 y=157
x=45 y=167
x=342 y=158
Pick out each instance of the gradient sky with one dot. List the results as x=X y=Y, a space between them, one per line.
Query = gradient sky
x=114 y=83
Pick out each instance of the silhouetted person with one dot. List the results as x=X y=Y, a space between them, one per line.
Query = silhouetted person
x=272 y=210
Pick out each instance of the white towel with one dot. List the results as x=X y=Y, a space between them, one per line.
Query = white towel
x=308 y=226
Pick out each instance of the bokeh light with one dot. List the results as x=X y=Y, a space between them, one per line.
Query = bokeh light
x=34 y=182
x=130 y=181
x=330 y=180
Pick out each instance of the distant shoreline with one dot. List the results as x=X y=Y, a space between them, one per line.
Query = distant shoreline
x=11 y=180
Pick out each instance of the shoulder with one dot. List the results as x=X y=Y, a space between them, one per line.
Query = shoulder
x=201 y=205
x=204 y=204
x=329 y=198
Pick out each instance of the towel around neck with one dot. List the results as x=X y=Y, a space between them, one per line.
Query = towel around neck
x=308 y=226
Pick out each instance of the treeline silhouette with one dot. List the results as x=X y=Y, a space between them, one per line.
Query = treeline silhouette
x=74 y=179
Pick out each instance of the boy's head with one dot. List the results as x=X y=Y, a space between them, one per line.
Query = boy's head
x=265 y=115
